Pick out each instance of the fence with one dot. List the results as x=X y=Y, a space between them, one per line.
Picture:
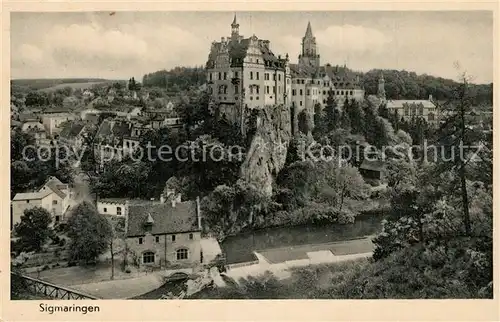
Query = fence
x=48 y=289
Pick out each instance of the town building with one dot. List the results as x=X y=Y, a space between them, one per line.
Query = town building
x=35 y=128
x=54 y=119
x=164 y=234
x=53 y=196
x=72 y=134
x=408 y=109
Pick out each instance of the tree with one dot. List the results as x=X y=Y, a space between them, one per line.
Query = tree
x=36 y=99
x=303 y=121
x=331 y=112
x=34 y=228
x=89 y=231
x=356 y=117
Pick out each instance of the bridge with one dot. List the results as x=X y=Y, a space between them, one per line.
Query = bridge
x=51 y=290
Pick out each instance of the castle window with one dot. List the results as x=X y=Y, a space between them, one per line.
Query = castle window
x=182 y=254
x=119 y=211
x=274 y=89
x=257 y=63
x=140 y=240
x=293 y=92
x=236 y=74
x=257 y=89
x=191 y=236
x=251 y=75
x=148 y=257
x=236 y=89
x=279 y=77
x=257 y=98
x=341 y=92
x=173 y=238
x=257 y=75
x=300 y=92
x=267 y=89
x=350 y=93
x=300 y=103
x=308 y=92
x=220 y=76
x=157 y=239
x=251 y=98
x=324 y=92
x=105 y=209
x=54 y=202
x=225 y=75
x=210 y=76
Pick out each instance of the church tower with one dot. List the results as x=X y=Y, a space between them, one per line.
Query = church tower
x=235 y=29
x=381 y=87
x=309 y=56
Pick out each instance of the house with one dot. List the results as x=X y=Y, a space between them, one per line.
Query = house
x=53 y=121
x=165 y=234
x=134 y=112
x=112 y=206
x=53 y=196
x=109 y=139
x=25 y=117
x=35 y=128
x=72 y=134
x=372 y=169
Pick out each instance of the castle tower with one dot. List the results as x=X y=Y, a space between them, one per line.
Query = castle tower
x=309 y=56
x=381 y=87
x=235 y=29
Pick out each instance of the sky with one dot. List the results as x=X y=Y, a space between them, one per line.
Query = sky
x=126 y=44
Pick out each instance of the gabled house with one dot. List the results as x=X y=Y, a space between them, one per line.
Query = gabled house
x=372 y=169
x=53 y=120
x=52 y=196
x=165 y=234
x=72 y=134
x=35 y=128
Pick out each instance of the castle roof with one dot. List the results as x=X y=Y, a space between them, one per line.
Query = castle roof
x=309 y=33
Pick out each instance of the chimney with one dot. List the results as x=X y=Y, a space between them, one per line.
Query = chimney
x=198 y=212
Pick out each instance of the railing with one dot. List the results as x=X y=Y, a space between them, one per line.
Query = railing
x=51 y=290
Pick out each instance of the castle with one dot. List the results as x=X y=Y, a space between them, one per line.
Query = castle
x=245 y=73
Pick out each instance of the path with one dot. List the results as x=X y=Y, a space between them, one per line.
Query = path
x=124 y=288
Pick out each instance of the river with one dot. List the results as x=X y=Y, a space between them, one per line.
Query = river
x=239 y=248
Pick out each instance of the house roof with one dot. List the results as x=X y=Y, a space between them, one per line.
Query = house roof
x=56 y=185
x=56 y=110
x=373 y=165
x=32 y=195
x=23 y=117
x=71 y=130
x=165 y=217
x=402 y=103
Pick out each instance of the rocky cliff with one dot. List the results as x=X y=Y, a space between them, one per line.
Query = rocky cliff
x=266 y=155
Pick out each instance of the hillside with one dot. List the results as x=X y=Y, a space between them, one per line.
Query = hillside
x=48 y=84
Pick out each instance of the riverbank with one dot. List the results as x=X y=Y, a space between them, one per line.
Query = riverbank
x=239 y=249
